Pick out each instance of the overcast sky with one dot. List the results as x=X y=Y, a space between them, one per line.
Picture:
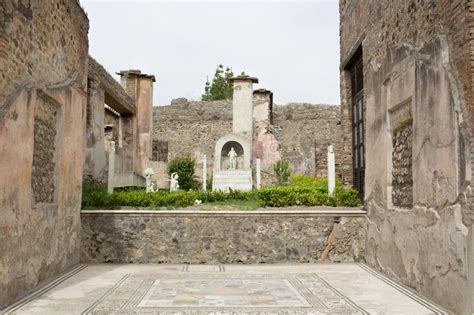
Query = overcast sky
x=291 y=46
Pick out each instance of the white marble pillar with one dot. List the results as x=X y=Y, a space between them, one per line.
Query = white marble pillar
x=331 y=170
x=204 y=172
x=110 y=180
x=258 y=171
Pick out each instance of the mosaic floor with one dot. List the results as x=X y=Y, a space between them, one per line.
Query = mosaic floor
x=223 y=289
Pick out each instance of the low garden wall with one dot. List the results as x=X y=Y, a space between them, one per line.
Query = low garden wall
x=262 y=236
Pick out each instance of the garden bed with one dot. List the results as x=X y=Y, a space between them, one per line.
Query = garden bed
x=303 y=191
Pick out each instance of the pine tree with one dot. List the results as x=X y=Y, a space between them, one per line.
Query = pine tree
x=221 y=87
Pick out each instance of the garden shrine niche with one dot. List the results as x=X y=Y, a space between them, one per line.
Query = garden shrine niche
x=225 y=176
x=232 y=156
x=233 y=151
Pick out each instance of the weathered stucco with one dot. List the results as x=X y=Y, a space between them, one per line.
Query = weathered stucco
x=200 y=237
x=417 y=179
x=42 y=122
x=126 y=119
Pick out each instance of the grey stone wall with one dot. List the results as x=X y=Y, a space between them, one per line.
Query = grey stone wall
x=250 y=237
x=303 y=132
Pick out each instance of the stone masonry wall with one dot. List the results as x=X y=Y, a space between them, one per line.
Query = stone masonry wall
x=302 y=130
x=194 y=238
x=43 y=96
x=402 y=173
x=44 y=147
x=416 y=53
x=41 y=41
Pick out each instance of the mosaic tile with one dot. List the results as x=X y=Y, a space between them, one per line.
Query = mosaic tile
x=220 y=293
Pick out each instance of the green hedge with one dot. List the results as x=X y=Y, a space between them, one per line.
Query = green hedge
x=184 y=167
x=300 y=192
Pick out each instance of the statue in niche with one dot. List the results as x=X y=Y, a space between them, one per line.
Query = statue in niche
x=232 y=159
x=150 y=185
x=174 y=184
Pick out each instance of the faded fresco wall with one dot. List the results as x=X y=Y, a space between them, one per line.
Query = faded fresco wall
x=417 y=181
x=44 y=51
x=300 y=133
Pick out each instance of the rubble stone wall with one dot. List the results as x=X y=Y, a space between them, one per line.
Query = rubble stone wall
x=194 y=238
x=302 y=131
x=44 y=147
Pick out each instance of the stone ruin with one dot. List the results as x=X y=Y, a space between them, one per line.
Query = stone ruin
x=405 y=130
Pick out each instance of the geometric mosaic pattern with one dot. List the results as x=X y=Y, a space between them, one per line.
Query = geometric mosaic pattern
x=192 y=293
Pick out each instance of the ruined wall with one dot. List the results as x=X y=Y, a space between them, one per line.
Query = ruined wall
x=44 y=52
x=120 y=118
x=190 y=128
x=302 y=131
x=416 y=63
x=195 y=238
x=140 y=87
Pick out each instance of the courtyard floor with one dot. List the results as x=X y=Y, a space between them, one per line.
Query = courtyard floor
x=223 y=289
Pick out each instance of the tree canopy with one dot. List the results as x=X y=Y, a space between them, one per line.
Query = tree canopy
x=221 y=87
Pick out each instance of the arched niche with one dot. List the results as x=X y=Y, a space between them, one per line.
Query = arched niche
x=240 y=144
x=225 y=151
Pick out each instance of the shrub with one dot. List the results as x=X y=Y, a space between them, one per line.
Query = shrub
x=184 y=166
x=296 y=194
x=320 y=184
x=282 y=171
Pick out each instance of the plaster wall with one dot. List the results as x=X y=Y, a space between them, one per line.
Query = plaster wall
x=95 y=166
x=144 y=123
x=44 y=51
x=414 y=57
x=242 y=108
x=140 y=87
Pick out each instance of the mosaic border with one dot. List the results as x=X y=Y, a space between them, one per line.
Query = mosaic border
x=42 y=289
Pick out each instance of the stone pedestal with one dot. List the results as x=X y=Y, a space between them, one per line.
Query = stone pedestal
x=233 y=179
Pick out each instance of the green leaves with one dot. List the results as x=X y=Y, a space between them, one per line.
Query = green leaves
x=282 y=171
x=303 y=191
x=184 y=166
x=221 y=87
